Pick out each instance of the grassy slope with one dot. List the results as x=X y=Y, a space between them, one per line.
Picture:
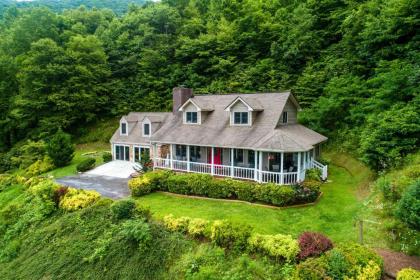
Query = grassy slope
x=334 y=215
x=59 y=247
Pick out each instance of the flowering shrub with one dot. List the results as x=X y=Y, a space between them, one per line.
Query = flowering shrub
x=313 y=244
x=231 y=236
x=176 y=224
x=76 y=199
x=279 y=246
x=198 y=228
x=408 y=274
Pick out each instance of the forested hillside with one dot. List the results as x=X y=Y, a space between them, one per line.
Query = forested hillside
x=119 y=6
x=353 y=65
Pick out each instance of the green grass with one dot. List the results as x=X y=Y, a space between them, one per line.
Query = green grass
x=78 y=157
x=334 y=215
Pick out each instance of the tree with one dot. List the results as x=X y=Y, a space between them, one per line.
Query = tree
x=60 y=149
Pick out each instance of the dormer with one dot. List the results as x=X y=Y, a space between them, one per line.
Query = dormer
x=146 y=127
x=123 y=127
x=289 y=113
x=242 y=112
x=193 y=113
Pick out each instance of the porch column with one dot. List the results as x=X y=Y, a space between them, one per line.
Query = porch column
x=153 y=148
x=298 y=169
x=212 y=160
x=188 y=157
x=171 y=151
x=231 y=162
x=255 y=166
x=281 y=169
x=260 y=167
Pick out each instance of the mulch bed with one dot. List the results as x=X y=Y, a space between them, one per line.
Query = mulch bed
x=395 y=261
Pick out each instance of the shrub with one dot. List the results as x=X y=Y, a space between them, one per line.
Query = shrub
x=107 y=157
x=198 y=183
x=40 y=166
x=176 y=224
x=179 y=184
x=371 y=271
x=279 y=246
x=76 y=199
x=123 y=209
x=280 y=195
x=59 y=194
x=313 y=174
x=198 y=228
x=408 y=274
x=227 y=235
x=307 y=191
x=137 y=231
x=221 y=188
x=244 y=190
x=44 y=189
x=313 y=269
x=148 y=182
x=313 y=244
x=338 y=266
x=60 y=149
x=408 y=208
x=86 y=165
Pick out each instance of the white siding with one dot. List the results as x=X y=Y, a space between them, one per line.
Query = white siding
x=291 y=110
x=191 y=108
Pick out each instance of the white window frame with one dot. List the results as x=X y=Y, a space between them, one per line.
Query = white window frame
x=186 y=117
x=126 y=128
x=232 y=118
x=150 y=128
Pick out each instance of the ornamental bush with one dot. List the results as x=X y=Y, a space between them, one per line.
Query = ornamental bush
x=206 y=185
x=107 y=157
x=176 y=224
x=123 y=209
x=279 y=246
x=313 y=174
x=136 y=231
x=313 y=244
x=313 y=269
x=230 y=236
x=86 y=165
x=76 y=199
x=198 y=228
x=40 y=166
x=60 y=149
x=408 y=274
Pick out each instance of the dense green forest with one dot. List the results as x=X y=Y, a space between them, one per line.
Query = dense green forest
x=119 y=6
x=353 y=65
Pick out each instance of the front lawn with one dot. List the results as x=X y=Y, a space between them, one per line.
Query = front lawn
x=334 y=215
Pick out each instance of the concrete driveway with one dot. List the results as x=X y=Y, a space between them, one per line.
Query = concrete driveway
x=109 y=179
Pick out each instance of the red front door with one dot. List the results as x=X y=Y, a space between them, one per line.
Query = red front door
x=217 y=156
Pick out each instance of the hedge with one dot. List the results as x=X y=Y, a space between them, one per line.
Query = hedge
x=279 y=246
x=86 y=165
x=209 y=186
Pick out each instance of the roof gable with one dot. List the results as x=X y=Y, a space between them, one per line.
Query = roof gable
x=251 y=107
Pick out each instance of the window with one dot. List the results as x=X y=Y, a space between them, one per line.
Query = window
x=124 y=128
x=192 y=117
x=239 y=156
x=181 y=152
x=195 y=153
x=284 y=117
x=240 y=117
x=251 y=158
x=146 y=129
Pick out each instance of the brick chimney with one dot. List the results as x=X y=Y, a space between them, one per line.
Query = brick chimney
x=179 y=96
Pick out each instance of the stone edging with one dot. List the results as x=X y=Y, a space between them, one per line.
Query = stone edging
x=242 y=201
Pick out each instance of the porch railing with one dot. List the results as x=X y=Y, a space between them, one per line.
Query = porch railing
x=320 y=166
x=230 y=171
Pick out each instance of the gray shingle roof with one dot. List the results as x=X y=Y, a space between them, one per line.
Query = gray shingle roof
x=215 y=130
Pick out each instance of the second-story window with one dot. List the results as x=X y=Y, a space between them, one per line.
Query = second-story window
x=146 y=129
x=285 y=117
x=240 y=117
x=191 y=117
x=123 y=128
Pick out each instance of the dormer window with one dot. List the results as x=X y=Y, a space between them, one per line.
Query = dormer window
x=191 y=117
x=146 y=129
x=240 y=118
x=123 y=128
x=284 y=117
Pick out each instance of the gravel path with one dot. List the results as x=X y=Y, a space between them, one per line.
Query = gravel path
x=395 y=261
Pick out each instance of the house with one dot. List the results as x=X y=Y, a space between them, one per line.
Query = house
x=245 y=136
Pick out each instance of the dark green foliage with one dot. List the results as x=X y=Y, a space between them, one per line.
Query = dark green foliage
x=123 y=209
x=107 y=157
x=60 y=148
x=408 y=208
x=86 y=165
x=206 y=185
x=137 y=231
